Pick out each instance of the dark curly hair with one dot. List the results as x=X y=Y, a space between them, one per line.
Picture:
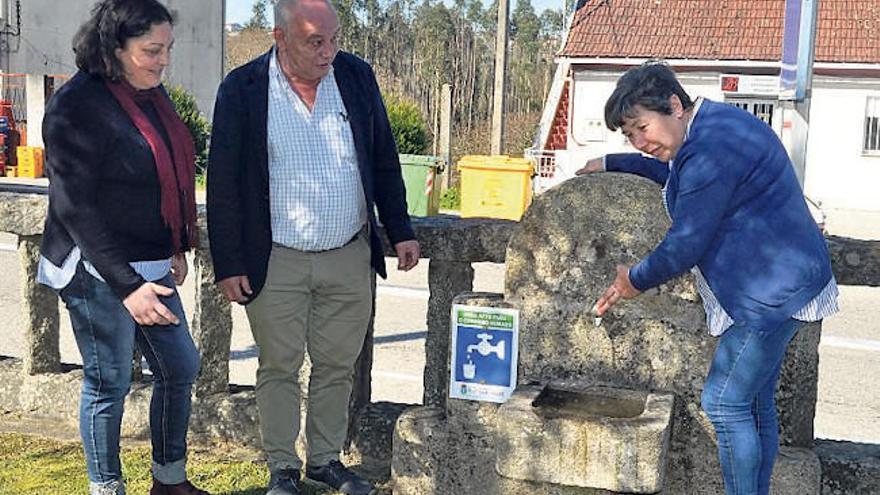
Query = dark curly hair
x=649 y=86
x=111 y=25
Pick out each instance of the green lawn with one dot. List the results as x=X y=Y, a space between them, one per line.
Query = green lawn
x=36 y=465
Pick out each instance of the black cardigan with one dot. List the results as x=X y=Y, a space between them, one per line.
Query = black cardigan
x=104 y=191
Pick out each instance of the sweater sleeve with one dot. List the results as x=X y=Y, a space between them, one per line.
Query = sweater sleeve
x=704 y=192
x=76 y=141
x=637 y=164
x=224 y=204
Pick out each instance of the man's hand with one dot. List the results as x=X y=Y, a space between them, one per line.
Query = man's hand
x=407 y=254
x=144 y=306
x=179 y=268
x=236 y=288
x=593 y=165
x=621 y=288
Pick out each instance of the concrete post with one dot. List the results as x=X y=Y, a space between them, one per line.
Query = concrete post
x=362 y=386
x=40 y=312
x=211 y=328
x=36 y=108
x=500 y=90
x=446 y=135
x=446 y=279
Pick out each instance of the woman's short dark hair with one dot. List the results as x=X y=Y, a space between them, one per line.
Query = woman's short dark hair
x=111 y=25
x=650 y=85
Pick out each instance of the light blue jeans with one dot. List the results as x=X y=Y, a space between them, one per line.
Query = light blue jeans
x=105 y=334
x=739 y=398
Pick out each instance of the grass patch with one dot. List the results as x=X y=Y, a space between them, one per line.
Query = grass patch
x=451 y=199
x=35 y=465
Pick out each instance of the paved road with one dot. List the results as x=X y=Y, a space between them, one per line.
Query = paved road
x=849 y=400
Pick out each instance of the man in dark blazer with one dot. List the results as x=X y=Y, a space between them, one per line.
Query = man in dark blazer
x=301 y=155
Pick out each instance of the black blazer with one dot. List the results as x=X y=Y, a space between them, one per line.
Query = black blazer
x=239 y=226
x=104 y=194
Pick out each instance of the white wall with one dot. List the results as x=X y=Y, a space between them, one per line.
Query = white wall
x=48 y=26
x=838 y=174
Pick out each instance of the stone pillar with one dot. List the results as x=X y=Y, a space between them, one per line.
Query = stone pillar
x=446 y=279
x=798 y=387
x=40 y=311
x=362 y=385
x=211 y=328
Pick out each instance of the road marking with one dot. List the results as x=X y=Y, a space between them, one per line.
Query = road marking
x=408 y=377
x=853 y=344
x=400 y=337
x=405 y=292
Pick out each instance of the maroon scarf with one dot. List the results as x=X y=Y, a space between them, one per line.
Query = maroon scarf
x=174 y=189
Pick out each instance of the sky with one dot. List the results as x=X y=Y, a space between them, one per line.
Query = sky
x=240 y=10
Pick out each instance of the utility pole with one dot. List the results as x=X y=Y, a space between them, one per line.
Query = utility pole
x=445 y=135
x=500 y=91
x=796 y=79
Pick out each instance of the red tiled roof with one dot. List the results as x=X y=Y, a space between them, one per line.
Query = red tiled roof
x=847 y=31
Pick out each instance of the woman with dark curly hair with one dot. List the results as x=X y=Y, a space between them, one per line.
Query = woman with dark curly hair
x=121 y=215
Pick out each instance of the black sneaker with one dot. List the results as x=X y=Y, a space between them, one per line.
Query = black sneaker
x=284 y=482
x=338 y=477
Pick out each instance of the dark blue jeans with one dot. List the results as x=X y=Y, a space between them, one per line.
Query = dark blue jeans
x=739 y=398
x=105 y=334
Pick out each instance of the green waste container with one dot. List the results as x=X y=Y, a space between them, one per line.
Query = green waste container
x=421 y=178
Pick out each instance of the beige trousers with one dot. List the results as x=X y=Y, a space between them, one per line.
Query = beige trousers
x=322 y=302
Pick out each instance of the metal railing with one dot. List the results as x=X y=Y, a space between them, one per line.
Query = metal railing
x=545 y=168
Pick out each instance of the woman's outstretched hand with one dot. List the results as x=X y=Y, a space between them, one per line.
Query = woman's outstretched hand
x=621 y=288
x=593 y=165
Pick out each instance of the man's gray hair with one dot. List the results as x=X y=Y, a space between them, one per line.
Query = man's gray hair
x=283 y=9
x=282 y=12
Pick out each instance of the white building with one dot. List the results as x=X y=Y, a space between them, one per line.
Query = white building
x=36 y=45
x=727 y=51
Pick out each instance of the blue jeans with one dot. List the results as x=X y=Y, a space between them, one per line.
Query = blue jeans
x=739 y=398
x=105 y=334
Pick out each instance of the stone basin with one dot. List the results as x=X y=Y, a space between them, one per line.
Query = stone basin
x=585 y=436
x=552 y=403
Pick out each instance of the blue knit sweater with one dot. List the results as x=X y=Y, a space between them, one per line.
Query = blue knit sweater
x=738 y=213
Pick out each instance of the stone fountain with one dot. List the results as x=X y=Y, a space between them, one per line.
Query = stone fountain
x=607 y=408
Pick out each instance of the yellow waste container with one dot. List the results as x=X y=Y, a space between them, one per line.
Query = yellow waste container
x=495 y=186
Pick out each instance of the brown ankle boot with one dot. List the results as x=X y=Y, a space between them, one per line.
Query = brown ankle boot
x=185 y=488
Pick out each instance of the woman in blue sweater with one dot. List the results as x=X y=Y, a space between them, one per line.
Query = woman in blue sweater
x=741 y=226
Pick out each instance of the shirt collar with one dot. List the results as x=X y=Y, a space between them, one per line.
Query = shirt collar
x=697 y=104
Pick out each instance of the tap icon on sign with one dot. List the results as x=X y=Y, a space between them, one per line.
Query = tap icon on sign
x=485 y=348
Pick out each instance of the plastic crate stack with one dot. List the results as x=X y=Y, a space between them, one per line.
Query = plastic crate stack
x=9 y=139
x=30 y=162
x=4 y=149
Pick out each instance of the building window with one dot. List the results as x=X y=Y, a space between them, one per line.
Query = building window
x=763 y=109
x=872 y=126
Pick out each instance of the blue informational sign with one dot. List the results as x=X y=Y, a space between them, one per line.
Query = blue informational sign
x=484 y=353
